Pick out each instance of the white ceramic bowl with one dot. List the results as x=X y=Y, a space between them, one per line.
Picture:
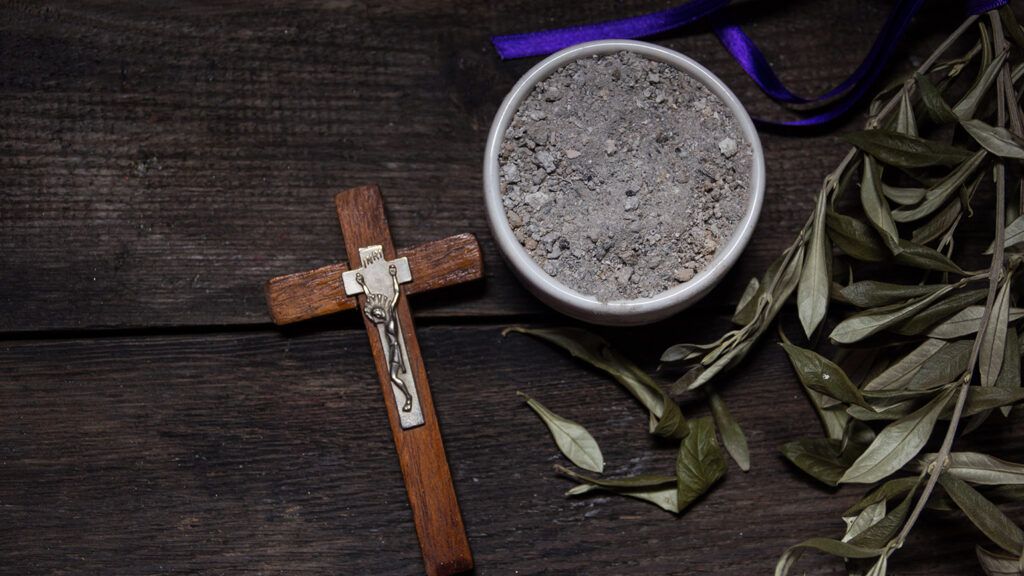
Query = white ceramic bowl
x=558 y=295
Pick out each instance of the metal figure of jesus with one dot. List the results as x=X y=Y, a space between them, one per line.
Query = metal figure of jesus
x=381 y=310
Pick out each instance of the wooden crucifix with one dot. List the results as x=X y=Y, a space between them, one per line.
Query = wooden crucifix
x=378 y=282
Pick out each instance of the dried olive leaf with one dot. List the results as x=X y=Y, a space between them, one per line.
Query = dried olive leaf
x=752 y=290
x=855 y=238
x=699 y=463
x=666 y=418
x=904 y=151
x=833 y=419
x=872 y=293
x=671 y=423
x=905 y=121
x=937 y=195
x=978 y=468
x=682 y=353
x=1013 y=28
x=934 y=103
x=886 y=529
x=812 y=292
x=996 y=140
x=821 y=458
x=969 y=103
x=745 y=314
x=891 y=489
x=730 y=359
x=903 y=394
x=875 y=206
x=1009 y=374
x=626 y=483
x=897 y=444
x=934 y=314
x=925 y=258
x=981 y=399
x=1010 y=493
x=987 y=50
x=823 y=376
x=903 y=196
x=733 y=438
x=857 y=433
x=1012 y=235
x=943 y=187
x=785 y=286
x=826 y=545
x=867 y=518
x=887 y=412
x=967 y=321
x=719 y=351
x=596 y=351
x=902 y=372
x=860 y=241
x=984 y=514
x=993 y=339
x=864 y=324
x=938 y=224
x=940 y=502
x=998 y=564
x=861 y=364
x=683 y=383
x=686 y=352
x=658 y=490
x=889 y=396
x=572 y=439
x=945 y=368
x=728 y=356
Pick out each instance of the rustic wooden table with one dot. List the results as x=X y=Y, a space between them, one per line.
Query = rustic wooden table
x=160 y=161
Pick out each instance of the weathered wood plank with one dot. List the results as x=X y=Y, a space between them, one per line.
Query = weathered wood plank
x=262 y=453
x=158 y=164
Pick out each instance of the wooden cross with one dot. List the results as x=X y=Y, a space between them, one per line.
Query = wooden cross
x=379 y=286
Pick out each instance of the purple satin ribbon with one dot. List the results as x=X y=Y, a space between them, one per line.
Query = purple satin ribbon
x=829 y=106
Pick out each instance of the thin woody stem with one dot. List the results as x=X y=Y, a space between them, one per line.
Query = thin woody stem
x=831 y=183
x=908 y=85
x=995 y=276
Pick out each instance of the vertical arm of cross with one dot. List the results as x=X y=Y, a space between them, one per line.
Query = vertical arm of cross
x=428 y=481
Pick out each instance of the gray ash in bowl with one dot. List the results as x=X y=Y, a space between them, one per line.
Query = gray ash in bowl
x=623 y=176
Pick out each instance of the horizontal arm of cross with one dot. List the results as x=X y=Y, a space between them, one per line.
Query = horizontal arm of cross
x=304 y=295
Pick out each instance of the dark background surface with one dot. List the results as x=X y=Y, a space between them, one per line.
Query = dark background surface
x=160 y=161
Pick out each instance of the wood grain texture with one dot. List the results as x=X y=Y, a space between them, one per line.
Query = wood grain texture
x=438 y=264
x=163 y=162
x=428 y=481
x=160 y=161
x=257 y=453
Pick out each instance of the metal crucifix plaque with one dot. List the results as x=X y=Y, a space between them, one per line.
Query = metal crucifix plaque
x=380 y=281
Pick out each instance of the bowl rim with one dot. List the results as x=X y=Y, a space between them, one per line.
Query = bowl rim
x=567 y=299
